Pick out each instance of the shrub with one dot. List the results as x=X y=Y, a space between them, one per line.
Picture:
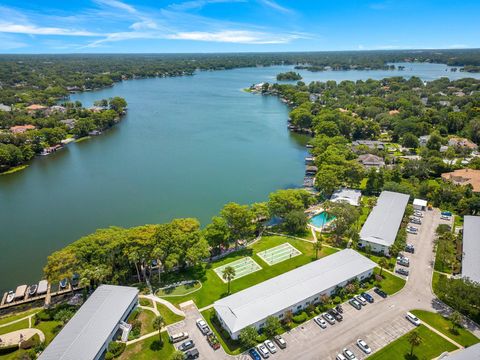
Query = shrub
x=8 y=349
x=108 y=356
x=337 y=300
x=116 y=348
x=30 y=342
x=300 y=318
x=134 y=315
x=261 y=338
x=145 y=302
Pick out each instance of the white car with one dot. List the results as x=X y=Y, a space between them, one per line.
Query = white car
x=418 y=213
x=361 y=300
x=445 y=217
x=340 y=357
x=349 y=354
x=329 y=318
x=270 y=346
x=320 y=322
x=262 y=349
x=413 y=319
x=363 y=346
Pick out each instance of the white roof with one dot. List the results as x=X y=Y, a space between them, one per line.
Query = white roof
x=281 y=292
x=470 y=353
x=384 y=221
x=88 y=330
x=347 y=195
x=420 y=202
x=471 y=248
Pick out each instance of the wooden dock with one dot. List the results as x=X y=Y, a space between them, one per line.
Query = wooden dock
x=27 y=299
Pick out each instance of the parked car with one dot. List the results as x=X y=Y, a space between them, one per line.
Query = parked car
x=213 y=341
x=403 y=261
x=413 y=319
x=355 y=304
x=410 y=248
x=402 y=271
x=415 y=220
x=418 y=213
x=329 y=318
x=336 y=314
x=320 y=322
x=349 y=354
x=367 y=297
x=187 y=345
x=191 y=354
x=254 y=354
x=446 y=213
x=340 y=357
x=361 y=300
x=203 y=326
x=262 y=350
x=445 y=217
x=411 y=230
x=270 y=346
x=178 y=337
x=339 y=308
x=380 y=292
x=282 y=344
x=363 y=346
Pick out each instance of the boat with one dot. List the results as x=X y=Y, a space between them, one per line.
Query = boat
x=42 y=287
x=32 y=289
x=63 y=283
x=20 y=292
x=75 y=280
x=10 y=297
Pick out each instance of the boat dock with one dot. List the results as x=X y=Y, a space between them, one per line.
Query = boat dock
x=28 y=299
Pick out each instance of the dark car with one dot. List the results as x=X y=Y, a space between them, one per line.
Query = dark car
x=213 y=341
x=254 y=354
x=368 y=297
x=410 y=248
x=339 y=308
x=191 y=354
x=380 y=292
x=402 y=271
x=189 y=344
x=336 y=314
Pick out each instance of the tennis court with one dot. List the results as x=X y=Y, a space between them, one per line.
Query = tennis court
x=243 y=267
x=278 y=253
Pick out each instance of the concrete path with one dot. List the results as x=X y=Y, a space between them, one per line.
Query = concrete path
x=146 y=336
x=18 y=320
x=154 y=310
x=168 y=304
x=14 y=337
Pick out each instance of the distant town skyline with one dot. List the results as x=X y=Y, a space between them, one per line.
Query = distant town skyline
x=132 y=26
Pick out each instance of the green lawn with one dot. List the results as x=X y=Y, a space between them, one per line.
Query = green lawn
x=390 y=283
x=179 y=290
x=149 y=349
x=376 y=258
x=10 y=318
x=445 y=326
x=169 y=316
x=432 y=346
x=145 y=302
x=146 y=317
x=232 y=347
x=213 y=288
x=49 y=328
x=14 y=327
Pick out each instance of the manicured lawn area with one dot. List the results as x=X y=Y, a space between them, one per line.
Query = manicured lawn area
x=432 y=346
x=390 y=283
x=146 y=317
x=376 y=258
x=213 y=288
x=149 y=349
x=7 y=319
x=14 y=327
x=179 y=290
x=145 y=302
x=50 y=329
x=445 y=326
x=169 y=316
x=435 y=279
x=232 y=347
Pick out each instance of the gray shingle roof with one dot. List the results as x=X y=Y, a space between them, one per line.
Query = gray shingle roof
x=88 y=330
x=471 y=247
x=281 y=292
x=384 y=221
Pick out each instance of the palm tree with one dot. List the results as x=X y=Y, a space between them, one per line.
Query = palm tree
x=228 y=274
x=383 y=264
x=317 y=246
x=414 y=339
x=158 y=324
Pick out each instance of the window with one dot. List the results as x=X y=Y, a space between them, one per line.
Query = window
x=361 y=277
x=316 y=299
x=261 y=325
x=280 y=316
x=299 y=307
x=307 y=303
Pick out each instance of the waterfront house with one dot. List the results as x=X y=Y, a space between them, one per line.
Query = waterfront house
x=346 y=195
x=20 y=129
x=371 y=144
x=56 y=109
x=35 y=108
x=464 y=177
x=69 y=123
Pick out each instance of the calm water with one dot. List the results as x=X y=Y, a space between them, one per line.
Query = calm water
x=187 y=146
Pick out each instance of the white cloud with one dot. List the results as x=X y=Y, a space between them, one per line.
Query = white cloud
x=198 y=4
x=276 y=6
x=235 y=36
x=6 y=27
x=117 y=5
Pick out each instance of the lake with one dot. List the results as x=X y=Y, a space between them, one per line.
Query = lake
x=187 y=146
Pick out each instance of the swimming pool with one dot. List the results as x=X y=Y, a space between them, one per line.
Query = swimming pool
x=320 y=220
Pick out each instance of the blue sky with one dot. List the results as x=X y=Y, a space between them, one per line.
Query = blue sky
x=125 y=26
